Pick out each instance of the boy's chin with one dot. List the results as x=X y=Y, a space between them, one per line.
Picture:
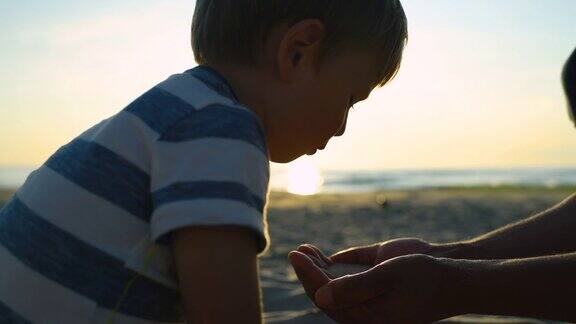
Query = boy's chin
x=286 y=157
x=283 y=159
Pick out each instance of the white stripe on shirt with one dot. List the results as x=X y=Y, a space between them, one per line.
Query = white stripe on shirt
x=193 y=91
x=214 y=159
x=35 y=297
x=126 y=135
x=125 y=234
x=46 y=191
x=205 y=212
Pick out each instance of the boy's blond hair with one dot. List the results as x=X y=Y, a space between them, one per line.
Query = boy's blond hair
x=234 y=31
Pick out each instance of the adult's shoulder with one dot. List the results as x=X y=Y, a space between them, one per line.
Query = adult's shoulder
x=569 y=72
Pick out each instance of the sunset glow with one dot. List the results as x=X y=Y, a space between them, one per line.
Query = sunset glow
x=479 y=85
x=303 y=178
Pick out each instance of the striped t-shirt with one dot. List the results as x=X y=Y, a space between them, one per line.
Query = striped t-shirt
x=86 y=238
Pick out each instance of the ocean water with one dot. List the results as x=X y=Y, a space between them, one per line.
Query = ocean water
x=366 y=181
x=416 y=179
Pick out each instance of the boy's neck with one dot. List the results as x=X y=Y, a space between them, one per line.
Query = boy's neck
x=250 y=86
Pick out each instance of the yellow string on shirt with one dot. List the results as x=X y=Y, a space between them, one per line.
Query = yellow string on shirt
x=147 y=259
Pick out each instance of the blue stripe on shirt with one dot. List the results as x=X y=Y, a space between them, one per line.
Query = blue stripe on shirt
x=159 y=109
x=207 y=189
x=105 y=174
x=83 y=268
x=218 y=121
x=8 y=316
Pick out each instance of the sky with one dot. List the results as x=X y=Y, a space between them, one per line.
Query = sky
x=479 y=85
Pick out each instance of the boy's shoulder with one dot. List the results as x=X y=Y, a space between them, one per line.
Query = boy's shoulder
x=197 y=103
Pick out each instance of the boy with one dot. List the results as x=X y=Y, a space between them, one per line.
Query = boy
x=162 y=205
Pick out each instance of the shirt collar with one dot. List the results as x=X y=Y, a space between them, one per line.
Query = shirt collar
x=214 y=80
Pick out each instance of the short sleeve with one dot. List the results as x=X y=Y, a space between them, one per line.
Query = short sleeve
x=210 y=168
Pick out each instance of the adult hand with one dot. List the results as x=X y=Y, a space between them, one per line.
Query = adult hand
x=406 y=289
x=379 y=252
x=312 y=273
x=365 y=255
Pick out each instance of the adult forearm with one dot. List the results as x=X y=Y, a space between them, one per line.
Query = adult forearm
x=541 y=287
x=550 y=232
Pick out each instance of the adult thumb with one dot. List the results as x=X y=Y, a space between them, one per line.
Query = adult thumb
x=353 y=290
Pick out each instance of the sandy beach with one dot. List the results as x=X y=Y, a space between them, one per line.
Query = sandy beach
x=337 y=221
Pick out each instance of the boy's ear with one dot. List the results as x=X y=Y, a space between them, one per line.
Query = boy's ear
x=299 y=49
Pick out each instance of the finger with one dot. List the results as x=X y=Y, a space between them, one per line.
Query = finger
x=353 y=290
x=312 y=280
x=363 y=255
x=310 y=275
x=442 y=252
x=354 y=315
x=322 y=255
x=306 y=249
x=312 y=255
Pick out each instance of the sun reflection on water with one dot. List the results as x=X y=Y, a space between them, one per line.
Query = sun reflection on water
x=303 y=178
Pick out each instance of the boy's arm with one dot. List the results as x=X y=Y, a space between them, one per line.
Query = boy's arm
x=217 y=270
x=550 y=232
